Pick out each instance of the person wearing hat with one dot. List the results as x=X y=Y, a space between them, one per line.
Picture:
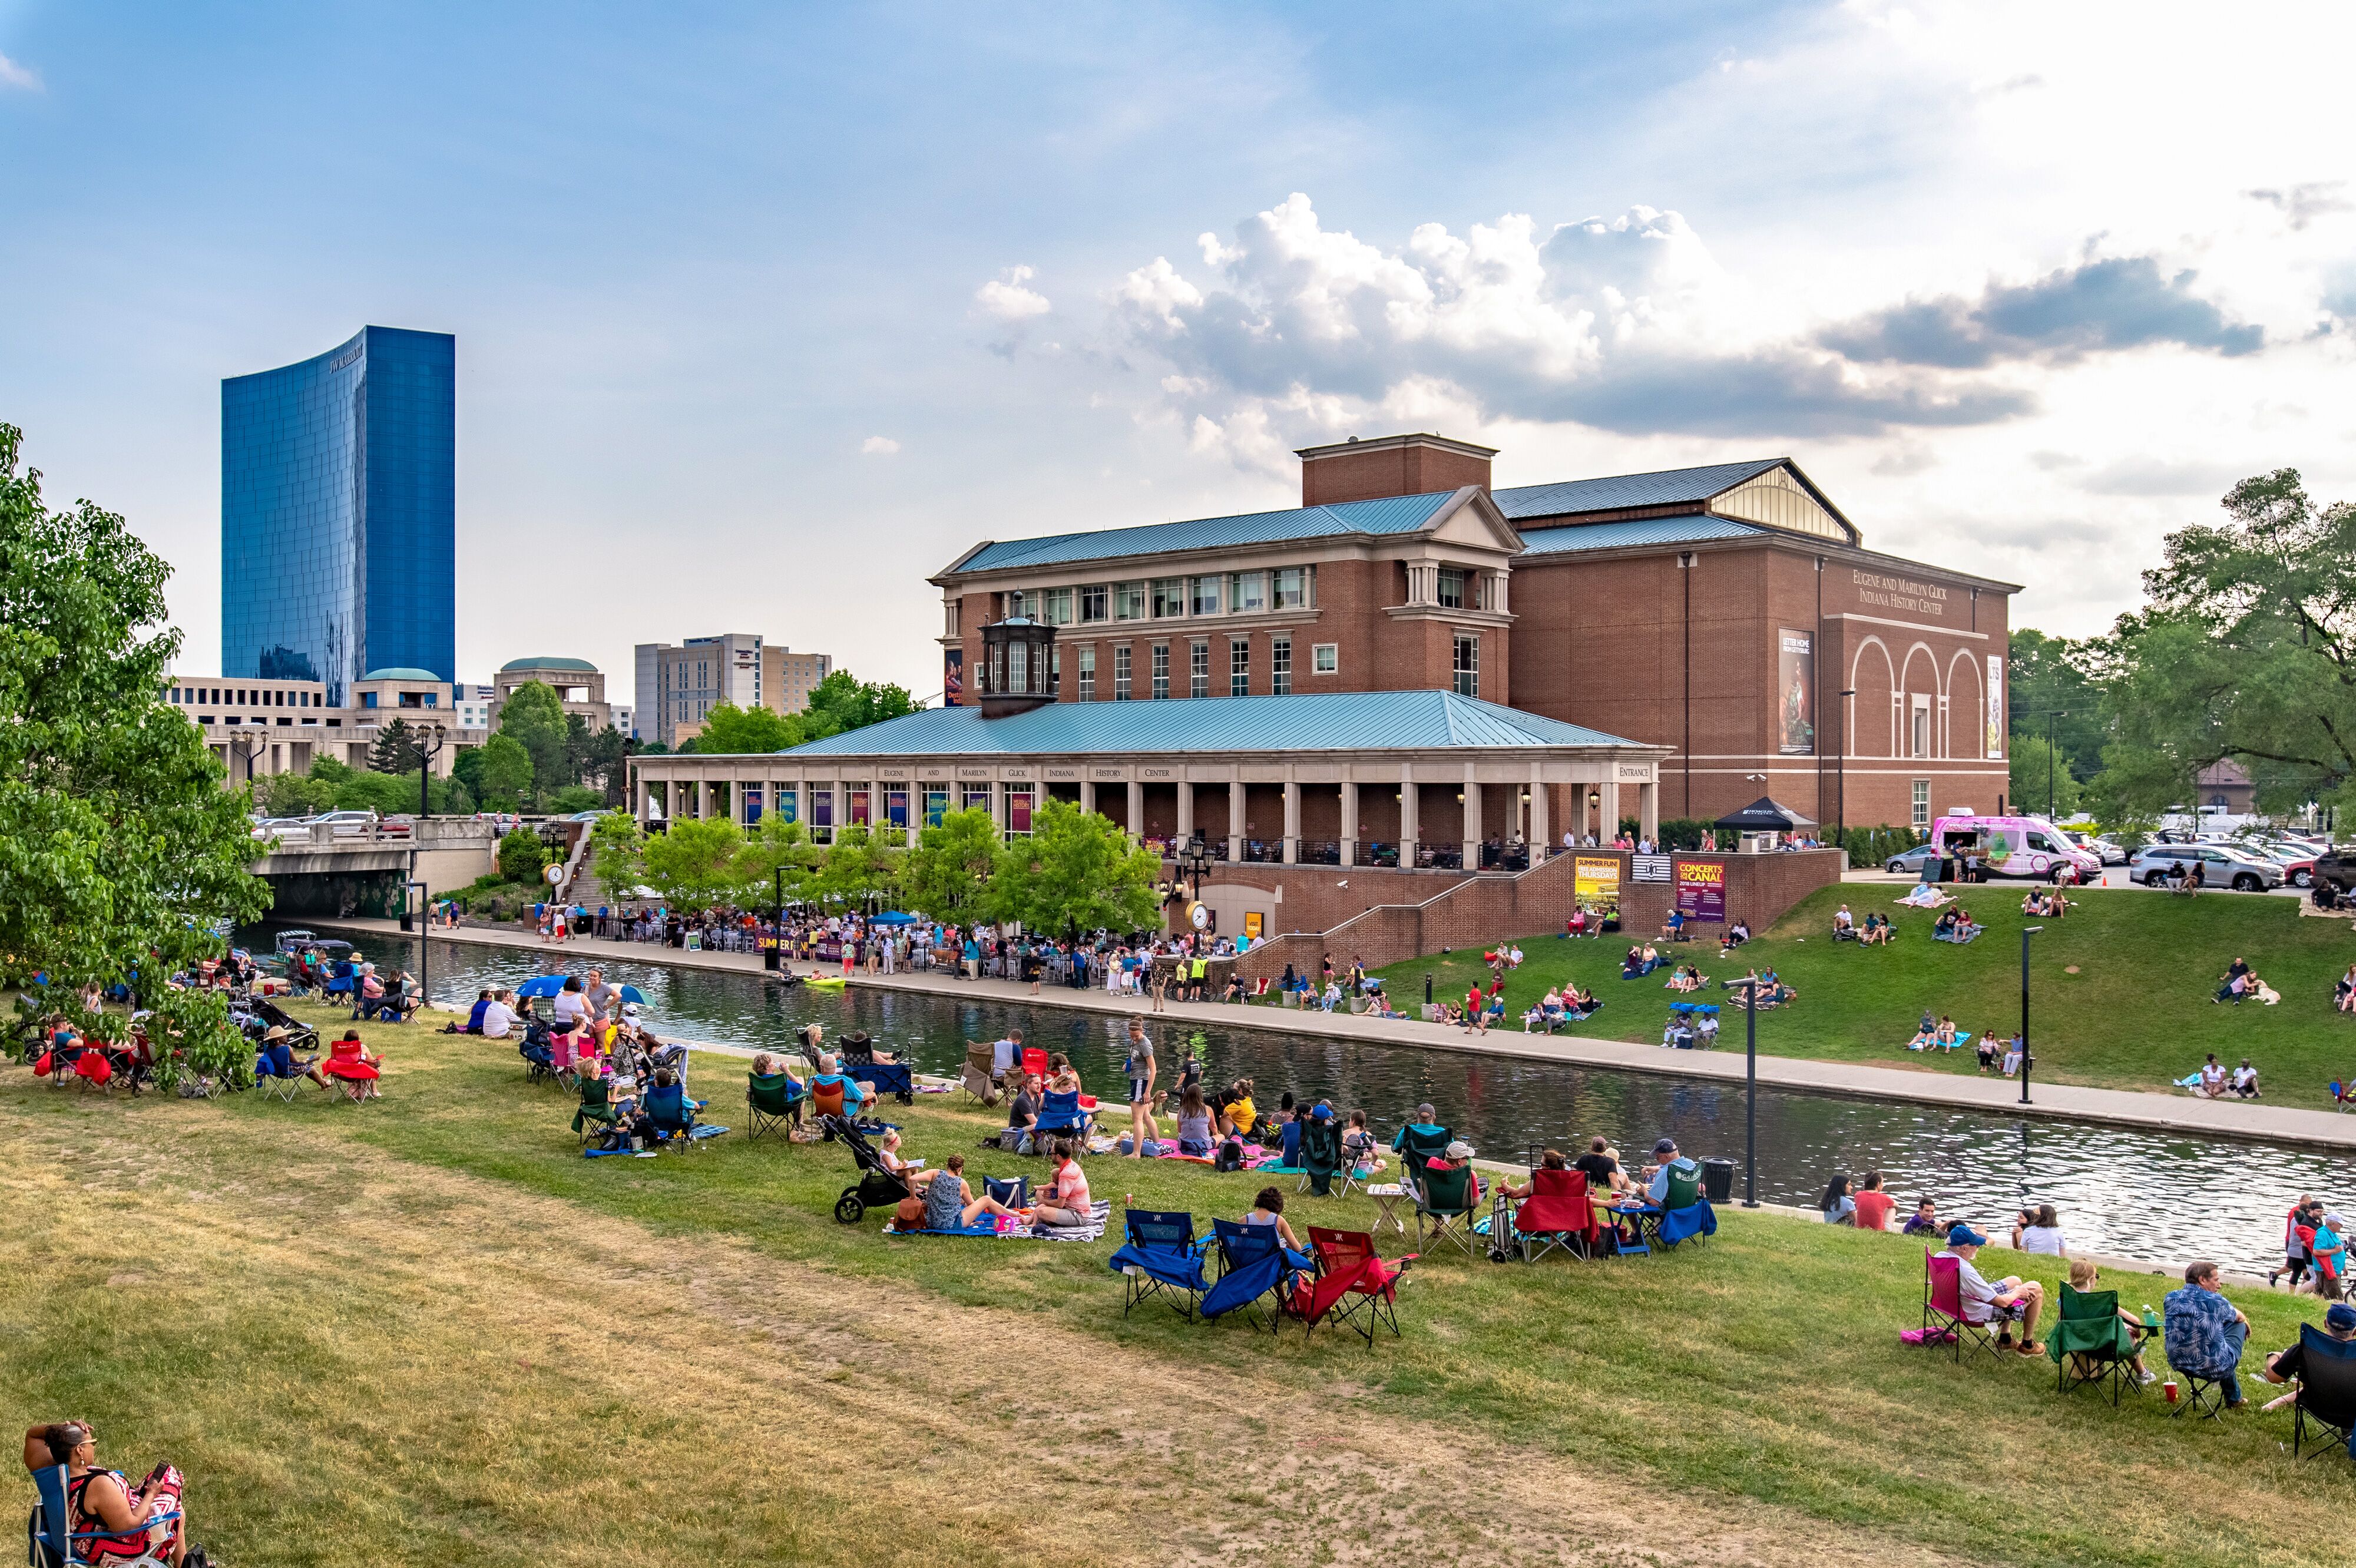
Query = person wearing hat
x=1667 y=1162
x=2008 y=1301
x=2338 y=1321
x=277 y=1059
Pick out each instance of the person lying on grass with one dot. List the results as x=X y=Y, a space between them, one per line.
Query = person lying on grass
x=100 y=1500
x=1068 y=1190
x=2003 y=1302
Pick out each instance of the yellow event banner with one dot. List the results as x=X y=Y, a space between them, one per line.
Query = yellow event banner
x=1596 y=884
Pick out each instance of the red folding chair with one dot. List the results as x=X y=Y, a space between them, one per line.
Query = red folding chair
x=1354 y=1287
x=1943 y=1307
x=1555 y=1214
x=1034 y=1062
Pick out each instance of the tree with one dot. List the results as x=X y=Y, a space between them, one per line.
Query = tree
x=780 y=845
x=535 y=718
x=2039 y=772
x=120 y=853
x=1077 y=873
x=2050 y=675
x=2246 y=648
x=695 y=861
x=295 y=794
x=730 y=731
x=522 y=855
x=576 y=798
x=395 y=750
x=609 y=759
x=859 y=867
x=615 y=844
x=948 y=874
x=502 y=773
x=842 y=702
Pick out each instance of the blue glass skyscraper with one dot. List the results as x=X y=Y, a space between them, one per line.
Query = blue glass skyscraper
x=339 y=512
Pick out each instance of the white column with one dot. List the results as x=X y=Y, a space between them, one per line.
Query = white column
x=1541 y=831
x=1136 y=810
x=1088 y=795
x=1611 y=810
x=998 y=805
x=1349 y=822
x=1648 y=811
x=1472 y=828
x=1185 y=807
x=640 y=793
x=1410 y=816
x=1236 y=816
x=1291 y=821
x=736 y=802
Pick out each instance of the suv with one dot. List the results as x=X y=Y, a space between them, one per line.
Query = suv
x=2222 y=865
x=2335 y=869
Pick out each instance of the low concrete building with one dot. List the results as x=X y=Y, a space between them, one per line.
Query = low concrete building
x=579 y=685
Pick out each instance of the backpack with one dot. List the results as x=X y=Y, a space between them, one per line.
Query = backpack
x=1230 y=1156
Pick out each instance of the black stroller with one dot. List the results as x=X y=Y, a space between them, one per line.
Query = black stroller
x=300 y=1036
x=539 y=1057
x=877 y=1186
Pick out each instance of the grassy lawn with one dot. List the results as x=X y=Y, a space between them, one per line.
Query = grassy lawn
x=2120 y=989
x=426 y=1329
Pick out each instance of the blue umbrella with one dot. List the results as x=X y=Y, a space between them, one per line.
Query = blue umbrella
x=893 y=918
x=541 y=985
x=632 y=994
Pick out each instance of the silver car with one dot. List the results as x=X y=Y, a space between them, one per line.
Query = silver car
x=2222 y=865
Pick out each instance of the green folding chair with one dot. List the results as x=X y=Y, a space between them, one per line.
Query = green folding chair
x=2091 y=1345
x=596 y=1112
x=1444 y=1201
x=773 y=1097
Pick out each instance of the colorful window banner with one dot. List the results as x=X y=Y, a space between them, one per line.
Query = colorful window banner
x=788 y=803
x=1596 y=884
x=896 y=807
x=1254 y=923
x=859 y=809
x=1701 y=890
x=752 y=804
x=976 y=797
x=1018 y=809
x=953 y=677
x=936 y=806
x=1795 y=693
x=1995 y=707
x=822 y=808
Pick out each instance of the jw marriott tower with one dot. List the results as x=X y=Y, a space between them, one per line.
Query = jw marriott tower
x=339 y=512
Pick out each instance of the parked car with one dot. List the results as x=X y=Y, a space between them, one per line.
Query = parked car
x=583 y=817
x=2222 y=865
x=2108 y=851
x=345 y=824
x=2298 y=860
x=1909 y=862
x=2336 y=869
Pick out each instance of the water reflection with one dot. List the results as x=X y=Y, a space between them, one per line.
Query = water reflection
x=2141 y=1193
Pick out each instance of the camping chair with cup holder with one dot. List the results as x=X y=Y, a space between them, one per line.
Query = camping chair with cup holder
x=1557 y=1216
x=1254 y=1266
x=1444 y=1202
x=976 y=1078
x=595 y=1113
x=895 y=1078
x=1418 y=1145
x=1060 y=1114
x=1685 y=1215
x=1160 y=1257
x=49 y=1535
x=1320 y=1159
x=2091 y=1345
x=1942 y=1308
x=672 y=1115
x=775 y=1100
x=2326 y=1409
x=1351 y=1288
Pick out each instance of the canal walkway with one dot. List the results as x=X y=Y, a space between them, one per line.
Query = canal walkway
x=2116 y=1107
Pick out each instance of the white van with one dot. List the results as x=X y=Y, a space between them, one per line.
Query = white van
x=2029 y=847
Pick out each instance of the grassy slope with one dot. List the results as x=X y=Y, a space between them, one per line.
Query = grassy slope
x=1764 y=1367
x=2136 y=1014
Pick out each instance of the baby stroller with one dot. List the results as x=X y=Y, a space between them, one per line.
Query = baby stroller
x=538 y=1059
x=300 y=1036
x=877 y=1186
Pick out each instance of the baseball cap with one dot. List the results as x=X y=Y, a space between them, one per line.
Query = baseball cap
x=1321 y=1111
x=1666 y=1146
x=2339 y=1314
x=1460 y=1150
x=1964 y=1236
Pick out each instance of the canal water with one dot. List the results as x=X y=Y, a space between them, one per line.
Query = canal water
x=2131 y=1192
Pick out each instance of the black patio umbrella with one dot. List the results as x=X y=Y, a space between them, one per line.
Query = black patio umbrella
x=1764 y=816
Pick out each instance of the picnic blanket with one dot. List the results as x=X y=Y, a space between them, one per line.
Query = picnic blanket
x=1922 y=896
x=1963 y=1038
x=1099 y=1211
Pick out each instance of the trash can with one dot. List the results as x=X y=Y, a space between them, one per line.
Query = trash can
x=769 y=957
x=1718 y=1180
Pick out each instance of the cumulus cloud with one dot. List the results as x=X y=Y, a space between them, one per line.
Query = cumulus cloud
x=1006 y=297
x=2303 y=204
x=878 y=446
x=2116 y=302
x=21 y=77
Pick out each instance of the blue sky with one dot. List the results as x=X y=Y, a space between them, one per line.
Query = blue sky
x=762 y=315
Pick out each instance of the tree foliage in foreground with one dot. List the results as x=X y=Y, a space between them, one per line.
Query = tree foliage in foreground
x=120 y=851
x=1076 y=873
x=2246 y=648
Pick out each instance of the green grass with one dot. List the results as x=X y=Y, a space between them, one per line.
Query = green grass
x=2120 y=989
x=407 y=1305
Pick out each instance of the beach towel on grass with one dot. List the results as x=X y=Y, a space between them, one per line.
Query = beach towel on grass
x=1277 y=1167
x=985 y=1226
x=1098 y=1212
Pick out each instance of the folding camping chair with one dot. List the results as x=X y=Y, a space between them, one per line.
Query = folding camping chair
x=277 y=1072
x=2326 y=1392
x=1555 y=1213
x=2090 y=1345
x=1160 y=1257
x=1685 y=1215
x=978 y=1078
x=672 y=1113
x=1060 y=1114
x=49 y=1534
x=1253 y=1265
x=1943 y=1307
x=773 y=1097
x=895 y=1078
x=596 y=1110
x=1320 y=1159
x=1354 y=1288
x=1418 y=1145
x=1444 y=1200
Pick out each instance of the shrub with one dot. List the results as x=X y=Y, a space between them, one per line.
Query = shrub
x=523 y=856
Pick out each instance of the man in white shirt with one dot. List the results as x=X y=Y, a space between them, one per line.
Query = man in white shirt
x=2245 y=1081
x=2007 y=1301
x=499 y=1018
x=1005 y=1053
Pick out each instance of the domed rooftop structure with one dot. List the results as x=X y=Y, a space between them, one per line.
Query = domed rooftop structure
x=549 y=661
x=400 y=672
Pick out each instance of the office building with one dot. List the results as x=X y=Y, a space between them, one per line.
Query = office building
x=682 y=684
x=338 y=513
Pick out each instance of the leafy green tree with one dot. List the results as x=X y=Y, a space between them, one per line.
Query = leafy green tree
x=616 y=845
x=383 y=793
x=780 y=845
x=608 y=765
x=576 y=798
x=295 y=794
x=2246 y=648
x=696 y=861
x=842 y=702
x=2041 y=774
x=948 y=875
x=120 y=852
x=2051 y=675
x=730 y=731
x=535 y=718
x=501 y=773
x=467 y=768
x=859 y=867
x=522 y=855
x=1077 y=873
x=395 y=750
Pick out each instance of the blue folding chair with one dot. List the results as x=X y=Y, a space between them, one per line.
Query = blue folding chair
x=1253 y=1263
x=1061 y=1113
x=1160 y=1257
x=49 y=1533
x=673 y=1115
x=894 y=1079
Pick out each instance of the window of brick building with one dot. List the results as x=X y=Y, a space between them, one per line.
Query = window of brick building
x=1093 y=603
x=1325 y=658
x=1129 y=601
x=1468 y=665
x=1169 y=597
x=1922 y=803
x=1087 y=674
x=1160 y=670
x=1198 y=669
x=1056 y=607
x=1120 y=673
x=1247 y=591
x=1209 y=593
x=1280 y=664
x=1239 y=668
x=1452 y=587
x=1296 y=587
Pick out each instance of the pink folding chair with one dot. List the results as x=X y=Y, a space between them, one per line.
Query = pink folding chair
x=1943 y=1307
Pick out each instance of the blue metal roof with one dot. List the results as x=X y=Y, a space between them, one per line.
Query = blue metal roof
x=1633 y=530
x=1392 y=514
x=1339 y=720
x=1670 y=487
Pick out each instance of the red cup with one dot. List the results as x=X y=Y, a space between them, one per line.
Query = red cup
x=2168 y=1391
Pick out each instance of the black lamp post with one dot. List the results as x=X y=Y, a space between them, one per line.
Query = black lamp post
x=247 y=746
x=1841 y=775
x=1749 y=1092
x=425 y=755
x=1195 y=860
x=2026 y=932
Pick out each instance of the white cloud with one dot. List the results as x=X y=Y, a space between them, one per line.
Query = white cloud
x=21 y=77
x=1005 y=297
x=878 y=446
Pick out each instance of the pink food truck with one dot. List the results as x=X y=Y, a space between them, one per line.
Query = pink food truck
x=2030 y=847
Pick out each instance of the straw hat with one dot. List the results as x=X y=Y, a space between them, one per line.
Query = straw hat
x=275 y=1032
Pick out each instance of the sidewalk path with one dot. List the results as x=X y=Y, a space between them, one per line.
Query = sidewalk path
x=2118 y=1107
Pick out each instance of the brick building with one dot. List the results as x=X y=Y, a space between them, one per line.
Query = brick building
x=1731 y=613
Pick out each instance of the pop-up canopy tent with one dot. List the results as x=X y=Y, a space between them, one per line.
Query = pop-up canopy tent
x=1764 y=816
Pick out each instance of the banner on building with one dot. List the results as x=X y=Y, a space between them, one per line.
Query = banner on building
x=1595 y=883
x=1701 y=890
x=1648 y=867
x=953 y=677
x=1795 y=693
x=1995 y=707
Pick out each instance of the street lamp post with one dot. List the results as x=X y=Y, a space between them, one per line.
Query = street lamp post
x=1194 y=859
x=2026 y=932
x=247 y=746
x=425 y=755
x=1841 y=775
